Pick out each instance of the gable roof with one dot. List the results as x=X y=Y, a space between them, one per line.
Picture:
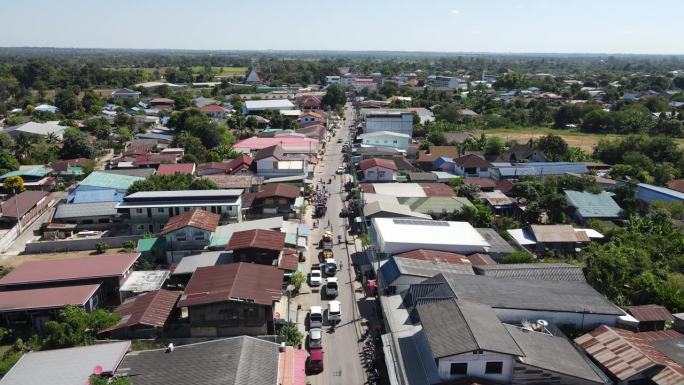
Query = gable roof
x=397 y=266
x=172 y=168
x=229 y=361
x=455 y=327
x=591 y=205
x=556 y=233
x=676 y=184
x=435 y=204
x=65 y=366
x=436 y=152
x=57 y=270
x=479 y=259
x=257 y=238
x=275 y=151
x=471 y=160
x=46 y=298
x=194 y=218
x=109 y=180
x=546 y=271
x=80 y=210
x=20 y=204
x=645 y=313
x=149 y=309
x=212 y=108
x=377 y=162
x=32 y=172
x=283 y=190
x=260 y=284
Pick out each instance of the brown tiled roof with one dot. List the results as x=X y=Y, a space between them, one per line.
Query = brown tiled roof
x=62 y=270
x=482 y=182
x=377 y=162
x=283 y=190
x=161 y=101
x=21 y=203
x=275 y=151
x=289 y=260
x=212 y=166
x=436 y=152
x=436 y=256
x=676 y=184
x=437 y=190
x=504 y=185
x=237 y=164
x=46 y=298
x=144 y=160
x=194 y=218
x=260 y=284
x=150 y=309
x=660 y=335
x=625 y=354
x=649 y=313
x=309 y=101
x=314 y=130
x=212 y=108
x=173 y=168
x=478 y=259
x=140 y=149
x=259 y=239
x=471 y=160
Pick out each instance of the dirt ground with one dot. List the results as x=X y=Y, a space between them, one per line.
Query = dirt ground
x=585 y=142
x=16 y=260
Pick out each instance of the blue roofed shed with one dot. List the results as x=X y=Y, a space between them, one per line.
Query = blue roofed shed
x=592 y=206
x=102 y=187
x=650 y=193
x=538 y=169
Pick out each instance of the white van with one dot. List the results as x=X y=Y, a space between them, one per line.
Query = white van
x=334 y=311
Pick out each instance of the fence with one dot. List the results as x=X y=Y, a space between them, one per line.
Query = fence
x=9 y=237
x=77 y=244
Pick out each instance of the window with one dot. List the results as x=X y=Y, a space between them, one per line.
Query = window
x=394 y=141
x=160 y=210
x=494 y=368
x=139 y=211
x=180 y=237
x=459 y=369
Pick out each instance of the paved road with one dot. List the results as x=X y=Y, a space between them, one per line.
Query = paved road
x=17 y=247
x=341 y=363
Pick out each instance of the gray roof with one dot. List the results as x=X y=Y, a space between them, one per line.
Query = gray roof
x=417 y=267
x=237 y=360
x=546 y=271
x=65 y=366
x=77 y=210
x=142 y=172
x=189 y=264
x=455 y=327
x=498 y=245
x=673 y=348
x=591 y=205
x=529 y=294
x=552 y=353
x=373 y=208
x=184 y=194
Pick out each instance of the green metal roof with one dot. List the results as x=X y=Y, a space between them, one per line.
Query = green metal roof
x=593 y=205
x=76 y=170
x=106 y=180
x=427 y=205
x=34 y=172
x=147 y=245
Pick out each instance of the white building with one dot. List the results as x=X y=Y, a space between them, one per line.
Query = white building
x=393 y=236
x=448 y=82
x=258 y=106
x=378 y=169
x=330 y=80
x=393 y=121
x=385 y=139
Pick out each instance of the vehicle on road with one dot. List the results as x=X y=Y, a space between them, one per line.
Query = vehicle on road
x=315 y=276
x=339 y=140
x=315 y=362
x=315 y=317
x=327 y=241
x=334 y=311
x=330 y=267
x=315 y=338
x=340 y=170
x=331 y=287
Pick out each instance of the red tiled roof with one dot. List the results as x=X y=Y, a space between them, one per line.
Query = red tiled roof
x=252 y=282
x=471 y=160
x=289 y=260
x=241 y=162
x=645 y=313
x=144 y=160
x=275 y=151
x=309 y=101
x=140 y=149
x=259 y=239
x=676 y=184
x=482 y=182
x=377 y=162
x=46 y=298
x=56 y=270
x=478 y=259
x=21 y=203
x=180 y=168
x=437 y=256
x=437 y=190
x=504 y=185
x=625 y=354
x=283 y=190
x=194 y=218
x=150 y=309
x=212 y=108
x=62 y=165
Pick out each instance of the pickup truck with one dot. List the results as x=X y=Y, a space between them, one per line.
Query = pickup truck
x=316 y=276
x=331 y=287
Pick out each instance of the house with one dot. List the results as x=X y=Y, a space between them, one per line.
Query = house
x=444 y=164
x=229 y=361
x=557 y=238
x=467 y=341
x=389 y=209
x=224 y=233
x=427 y=157
x=479 y=259
x=152 y=160
x=396 y=235
x=540 y=170
x=378 y=169
x=313 y=131
x=213 y=111
x=102 y=187
x=201 y=101
x=572 y=303
x=232 y=299
x=586 y=205
x=35 y=178
x=650 y=193
x=37 y=129
x=23 y=208
x=630 y=358
x=145 y=315
x=240 y=165
x=252 y=107
x=125 y=93
x=87 y=216
x=385 y=139
x=472 y=166
x=151 y=210
x=256 y=246
x=650 y=317
x=309 y=102
x=188 y=233
x=144 y=281
x=66 y=366
x=498 y=201
x=244 y=181
x=46 y=108
x=177 y=168
x=275 y=199
x=187 y=266
x=421 y=176
x=545 y=271
x=162 y=104
x=272 y=162
x=485 y=184
x=676 y=184
x=446 y=82
x=521 y=153
x=398 y=273
x=400 y=122
x=290 y=144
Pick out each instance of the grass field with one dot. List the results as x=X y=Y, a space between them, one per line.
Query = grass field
x=225 y=71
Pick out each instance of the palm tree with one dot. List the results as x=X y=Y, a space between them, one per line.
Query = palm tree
x=52 y=138
x=23 y=146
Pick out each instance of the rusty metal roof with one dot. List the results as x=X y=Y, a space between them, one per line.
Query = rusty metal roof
x=283 y=190
x=259 y=239
x=435 y=256
x=260 y=284
x=46 y=298
x=150 y=309
x=479 y=259
x=289 y=260
x=645 y=313
x=194 y=218
x=437 y=190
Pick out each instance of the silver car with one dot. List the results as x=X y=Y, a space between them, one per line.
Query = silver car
x=315 y=338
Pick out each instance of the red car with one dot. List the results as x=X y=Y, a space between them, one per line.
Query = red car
x=315 y=363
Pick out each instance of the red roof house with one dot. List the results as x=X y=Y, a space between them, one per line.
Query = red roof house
x=177 y=168
x=258 y=246
x=143 y=315
x=196 y=218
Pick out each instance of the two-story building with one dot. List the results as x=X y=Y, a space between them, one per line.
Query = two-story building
x=188 y=233
x=385 y=139
x=151 y=210
x=256 y=246
x=271 y=162
x=400 y=122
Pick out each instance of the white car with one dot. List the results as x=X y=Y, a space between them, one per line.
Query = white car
x=315 y=317
x=315 y=277
x=340 y=170
x=334 y=311
x=331 y=287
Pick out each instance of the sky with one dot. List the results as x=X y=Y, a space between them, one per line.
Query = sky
x=502 y=26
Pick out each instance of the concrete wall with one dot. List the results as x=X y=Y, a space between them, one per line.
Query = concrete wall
x=380 y=174
x=8 y=238
x=77 y=244
x=477 y=364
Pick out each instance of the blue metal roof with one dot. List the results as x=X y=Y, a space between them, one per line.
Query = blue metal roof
x=590 y=205
x=441 y=160
x=390 y=271
x=652 y=192
x=303 y=230
x=100 y=195
x=542 y=169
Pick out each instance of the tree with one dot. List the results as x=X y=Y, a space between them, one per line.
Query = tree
x=105 y=380
x=297 y=279
x=77 y=327
x=99 y=127
x=67 y=100
x=437 y=138
x=334 y=97
x=101 y=247
x=291 y=333
x=23 y=146
x=7 y=162
x=193 y=146
x=202 y=184
x=519 y=257
x=494 y=146
x=13 y=184
x=91 y=103
x=76 y=145
x=554 y=147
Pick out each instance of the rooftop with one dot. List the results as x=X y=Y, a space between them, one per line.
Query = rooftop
x=545 y=271
x=269 y=104
x=109 y=180
x=257 y=238
x=148 y=309
x=79 y=210
x=46 y=298
x=478 y=259
x=436 y=205
x=435 y=256
x=20 y=204
x=496 y=242
x=646 y=313
x=190 y=263
x=196 y=218
x=283 y=190
x=396 y=266
x=590 y=205
x=33 y=172
x=426 y=232
x=147 y=280
x=173 y=168
x=377 y=162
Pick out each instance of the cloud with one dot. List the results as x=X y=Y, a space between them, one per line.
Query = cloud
x=455 y=11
